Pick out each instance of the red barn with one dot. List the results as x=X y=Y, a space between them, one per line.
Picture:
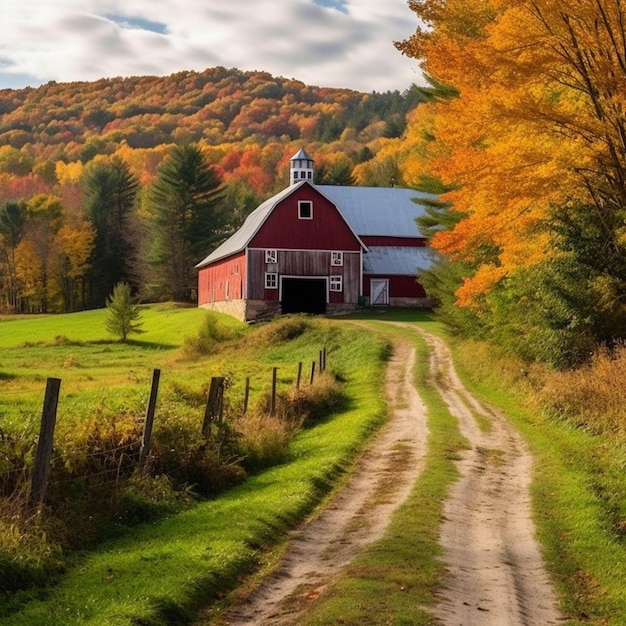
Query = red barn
x=318 y=249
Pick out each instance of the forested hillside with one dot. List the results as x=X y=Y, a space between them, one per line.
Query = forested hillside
x=79 y=210
x=247 y=118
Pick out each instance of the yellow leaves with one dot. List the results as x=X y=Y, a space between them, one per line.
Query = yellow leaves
x=73 y=248
x=69 y=172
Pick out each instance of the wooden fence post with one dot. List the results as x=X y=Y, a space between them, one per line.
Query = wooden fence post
x=324 y=357
x=299 y=377
x=246 y=395
x=41 y=468
x=312 y=373
x=149 y=421
x=273 y=400
x=214 y=405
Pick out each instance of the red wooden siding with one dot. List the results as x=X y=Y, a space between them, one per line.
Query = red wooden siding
x=326 y=231
x=304 y=263
x=399 y=286
x=224 y=280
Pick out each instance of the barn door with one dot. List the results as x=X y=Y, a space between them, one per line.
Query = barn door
x=379 y=291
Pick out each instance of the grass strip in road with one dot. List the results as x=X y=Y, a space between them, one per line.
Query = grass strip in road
x=159 y=575
x=393 y=582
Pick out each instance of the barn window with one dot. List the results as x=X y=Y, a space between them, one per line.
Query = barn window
x=336 y=283
x=305 y=210
x=270 y=256
x=336 y=258
x=271 y=280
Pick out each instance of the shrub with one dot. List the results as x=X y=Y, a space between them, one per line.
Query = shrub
x=146 y=498
x=307 y=404
x=264 y=440
x=283 y=329
x=211 y=335
x=27 y=556
x=592 y=396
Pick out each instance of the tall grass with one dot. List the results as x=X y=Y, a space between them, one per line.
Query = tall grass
x=592 y=397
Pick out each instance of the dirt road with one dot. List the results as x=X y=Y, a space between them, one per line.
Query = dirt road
x=494 y=569
x=495 y=574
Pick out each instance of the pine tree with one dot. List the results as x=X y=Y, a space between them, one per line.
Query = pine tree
x=110 y=191
x=188 y=219
x=122 y=314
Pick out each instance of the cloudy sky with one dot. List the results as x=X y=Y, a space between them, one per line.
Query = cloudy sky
x=332 y=43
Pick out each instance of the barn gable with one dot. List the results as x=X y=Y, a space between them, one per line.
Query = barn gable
x=306 y=219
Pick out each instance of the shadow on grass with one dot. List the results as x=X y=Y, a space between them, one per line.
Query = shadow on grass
x=62 y=341
x=392 y=314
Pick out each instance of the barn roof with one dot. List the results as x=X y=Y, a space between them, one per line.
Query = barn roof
x=240 y=239
x=396 y=260
x=369 y=211
x=379 y=211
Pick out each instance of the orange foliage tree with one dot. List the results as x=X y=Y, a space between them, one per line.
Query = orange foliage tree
x=538 y=123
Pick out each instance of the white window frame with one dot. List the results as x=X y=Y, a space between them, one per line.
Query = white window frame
x=271 y=256
x=336 y=283
x=336 y=258
x=301 y=203
x=271 y=280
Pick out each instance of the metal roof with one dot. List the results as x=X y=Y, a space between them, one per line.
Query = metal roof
x=396 y=260
x=373 y=211
x=379 y=211
x=301 y=154
x=254 y=221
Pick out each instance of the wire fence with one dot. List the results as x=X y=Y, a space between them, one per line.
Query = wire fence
x=26 y=466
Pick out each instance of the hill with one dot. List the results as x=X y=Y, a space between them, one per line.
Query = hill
x=249 y=120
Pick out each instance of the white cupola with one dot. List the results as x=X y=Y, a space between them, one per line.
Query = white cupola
x=301 y=168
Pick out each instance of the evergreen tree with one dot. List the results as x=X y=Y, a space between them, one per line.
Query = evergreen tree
x=110 y=192
x=12 y=220
x=122 y=314
x=186 y=203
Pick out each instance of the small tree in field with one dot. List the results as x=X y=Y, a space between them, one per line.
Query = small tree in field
x=122 y=314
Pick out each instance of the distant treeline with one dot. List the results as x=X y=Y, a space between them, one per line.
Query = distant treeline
x=87 y=170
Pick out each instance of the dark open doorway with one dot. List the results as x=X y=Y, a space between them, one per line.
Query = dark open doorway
x=303 y=295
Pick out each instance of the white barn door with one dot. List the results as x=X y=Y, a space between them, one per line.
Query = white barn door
x=379 y=291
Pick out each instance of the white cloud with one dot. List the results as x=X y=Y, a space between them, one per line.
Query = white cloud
x=334 y=43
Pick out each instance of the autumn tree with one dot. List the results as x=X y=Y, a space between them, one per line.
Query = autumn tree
x=35 y=251
x=538 y=125
x=188 y=220
x=70 y=262
x=110 y=190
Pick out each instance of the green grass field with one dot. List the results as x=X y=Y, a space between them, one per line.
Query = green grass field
x=93 y=367
x=162 y=573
